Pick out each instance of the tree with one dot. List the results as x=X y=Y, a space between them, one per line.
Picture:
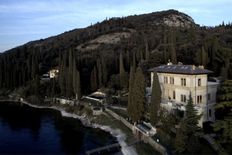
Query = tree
x=191 y=117
x=78 y=91
x=223 y=108
x=62 y=74
x=173 y=47
x=155 y=99
x=130 y=107
x=104 y=71
x=180 y=140
x=99 y=72
x=70 y=75
x=138 y=95
x=204 y=57
x=76 y=81
x=165 y=54
x=123 y=73
x=147 y=50
x=93 y=79
x=186 y=134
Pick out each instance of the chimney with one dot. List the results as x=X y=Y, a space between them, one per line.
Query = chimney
x=169 y=62
x=180 y=63
x=201 y=67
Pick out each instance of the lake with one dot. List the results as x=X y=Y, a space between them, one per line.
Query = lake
x=27 y=130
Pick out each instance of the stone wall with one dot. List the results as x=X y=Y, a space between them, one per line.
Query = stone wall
x=142 y=136
x=123 y=120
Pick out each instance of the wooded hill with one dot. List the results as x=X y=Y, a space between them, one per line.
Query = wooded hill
x=152 y=39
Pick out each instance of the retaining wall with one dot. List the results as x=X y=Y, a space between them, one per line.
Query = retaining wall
x=144 y=137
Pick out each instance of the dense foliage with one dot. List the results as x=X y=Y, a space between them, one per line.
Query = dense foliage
x=186 y=137
x=223 y=124
x=136 y=105
x=97 y=50
x=155 y=100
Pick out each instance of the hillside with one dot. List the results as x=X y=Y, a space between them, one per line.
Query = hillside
x=153 y=38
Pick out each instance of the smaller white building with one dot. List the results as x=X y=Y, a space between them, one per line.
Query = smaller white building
x=177 y=82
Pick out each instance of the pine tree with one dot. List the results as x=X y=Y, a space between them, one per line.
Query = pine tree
x=155 y=99
x=191 y=117
x=186 y=134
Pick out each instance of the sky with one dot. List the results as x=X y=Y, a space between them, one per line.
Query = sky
x=22 y=21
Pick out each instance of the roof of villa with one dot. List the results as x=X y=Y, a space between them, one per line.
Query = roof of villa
x=180 y=69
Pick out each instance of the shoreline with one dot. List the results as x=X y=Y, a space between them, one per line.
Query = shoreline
x=117 y=133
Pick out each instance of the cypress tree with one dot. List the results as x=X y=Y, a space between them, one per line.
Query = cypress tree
x=155 y=99
x=99 y=72
x=70 y=75
x=165 y=55
x=204 y=57
x=63 y=75
x=138 y=95
x=123 y=74
x=76 y=80
x=93 y=79
x=78 y=83
x=130 y=107
x=104 y=71
x=147 y=50
x=173 y=48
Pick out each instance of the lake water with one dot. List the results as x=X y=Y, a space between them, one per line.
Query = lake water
x=27 y=130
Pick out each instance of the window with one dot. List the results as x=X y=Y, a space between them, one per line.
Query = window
x=174 y=95
x=210 y=113
x=199 y=82
x=199 y=99
x=165 y=79
x=209 y=97
x=171 y=80
x=183 y=98
x=183 y=82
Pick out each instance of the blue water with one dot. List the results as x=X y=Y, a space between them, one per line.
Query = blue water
x=26 y=130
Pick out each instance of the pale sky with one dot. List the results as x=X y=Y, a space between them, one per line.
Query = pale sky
x=22 y=21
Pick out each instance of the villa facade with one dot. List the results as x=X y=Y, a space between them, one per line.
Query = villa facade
x=177 y=82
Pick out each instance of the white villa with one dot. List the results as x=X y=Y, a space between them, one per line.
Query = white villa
x=178 y=81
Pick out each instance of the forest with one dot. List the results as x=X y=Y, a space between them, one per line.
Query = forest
x=96 y=50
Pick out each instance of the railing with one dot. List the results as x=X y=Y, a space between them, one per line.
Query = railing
x=100 y=149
